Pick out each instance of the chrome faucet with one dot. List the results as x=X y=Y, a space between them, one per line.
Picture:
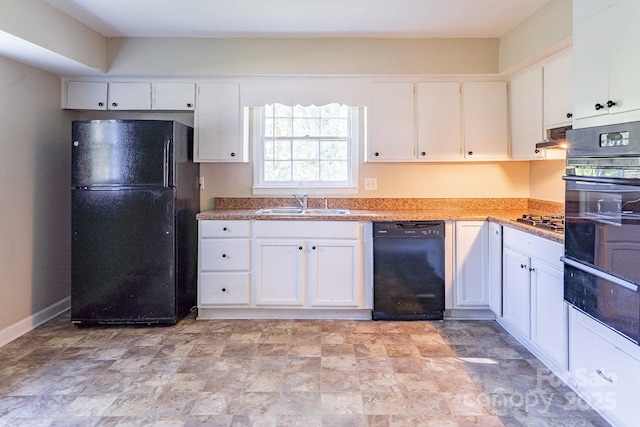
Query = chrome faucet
x=302 y=201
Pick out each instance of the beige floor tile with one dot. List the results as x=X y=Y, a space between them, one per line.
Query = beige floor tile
x=277 y=373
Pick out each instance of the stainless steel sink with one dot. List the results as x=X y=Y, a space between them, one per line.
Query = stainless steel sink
x=300 y=211
x=330 y=212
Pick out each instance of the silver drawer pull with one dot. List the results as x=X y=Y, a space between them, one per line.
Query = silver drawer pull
x=606 y=378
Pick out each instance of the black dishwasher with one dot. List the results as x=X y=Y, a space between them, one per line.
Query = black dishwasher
x=408 y=270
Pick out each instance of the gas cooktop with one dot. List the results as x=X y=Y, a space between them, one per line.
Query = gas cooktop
x=553 y=223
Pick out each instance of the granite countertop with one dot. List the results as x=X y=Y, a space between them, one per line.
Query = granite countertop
x=500 y=216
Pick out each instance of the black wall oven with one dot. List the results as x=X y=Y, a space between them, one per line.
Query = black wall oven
x=602 y=225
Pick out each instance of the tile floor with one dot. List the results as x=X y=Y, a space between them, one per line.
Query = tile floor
x=280 y=373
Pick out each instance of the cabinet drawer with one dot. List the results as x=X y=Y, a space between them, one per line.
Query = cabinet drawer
x=534 y=246
x=215 y=228
x=224 y=289
x=307 y=229
x=224 y=254
x=607 y=375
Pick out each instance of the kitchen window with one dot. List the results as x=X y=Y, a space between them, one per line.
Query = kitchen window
x=306 y=148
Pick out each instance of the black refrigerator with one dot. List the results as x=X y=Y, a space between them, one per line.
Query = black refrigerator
x=134 y=232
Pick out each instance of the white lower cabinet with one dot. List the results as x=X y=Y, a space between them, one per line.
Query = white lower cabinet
x=495 y=268
x=605 y=369
x=334 y=273
x=516 y=290
x=471 y=288
x=533 y=309
x=308 y=264
x=279 y=267
x=224 y=264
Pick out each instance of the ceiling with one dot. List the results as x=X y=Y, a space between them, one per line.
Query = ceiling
x=300 y=18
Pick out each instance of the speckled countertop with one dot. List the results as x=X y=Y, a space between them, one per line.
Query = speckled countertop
x=501 y=211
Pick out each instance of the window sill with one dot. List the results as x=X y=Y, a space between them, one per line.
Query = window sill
x=324 y=191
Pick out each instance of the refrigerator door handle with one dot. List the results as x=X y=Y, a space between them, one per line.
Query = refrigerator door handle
x=167 y=147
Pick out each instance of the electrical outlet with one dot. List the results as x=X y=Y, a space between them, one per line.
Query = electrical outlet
x=201 y=182
x=370 y=184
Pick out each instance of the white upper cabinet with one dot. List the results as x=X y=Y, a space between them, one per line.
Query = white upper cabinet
x=606 y=37
x=218 y=124
x=431 y=121
x=484 y=106
x=540 y=99
x=174 y=96
x=558 y=90
x=129 y=96
x=392 y=129
x=526 y=115
x=439 y=121
x=86 y=96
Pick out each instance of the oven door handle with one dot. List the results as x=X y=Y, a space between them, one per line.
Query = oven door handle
x=603 y=180
x=613 y=279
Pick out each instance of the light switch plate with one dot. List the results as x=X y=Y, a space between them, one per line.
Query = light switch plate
x=370 y=184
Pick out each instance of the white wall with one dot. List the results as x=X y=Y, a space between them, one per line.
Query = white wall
x=41 y=27
x=406 y=180
x=211 y=57
x=545 y=32
x=35 y=156
x=545 y=178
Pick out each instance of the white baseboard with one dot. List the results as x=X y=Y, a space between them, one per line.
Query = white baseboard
x=20 y=328
x=205 y=313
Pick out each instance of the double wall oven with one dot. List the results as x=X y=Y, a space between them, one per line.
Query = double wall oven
x=602 y=225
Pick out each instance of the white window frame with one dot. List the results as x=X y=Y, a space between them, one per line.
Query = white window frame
x=262 y=188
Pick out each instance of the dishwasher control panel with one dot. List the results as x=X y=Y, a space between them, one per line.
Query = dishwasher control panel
x=419 y=229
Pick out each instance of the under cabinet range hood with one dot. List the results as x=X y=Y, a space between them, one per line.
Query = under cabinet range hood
x=556 y=138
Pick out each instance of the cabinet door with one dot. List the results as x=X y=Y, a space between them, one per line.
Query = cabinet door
x=590 y=56
x=334 y=273
x=174 y=96
x=549 y=312
x=439 y=121
x=86 y=96
x=558 y=101
x=526 y=115
x=495 y=268
x=472 y=266
x=279 y=272
x=516 y=290
x=624 y=64
x=129 y=96
x=485 y=120
x=218 y=124
x=391 y=122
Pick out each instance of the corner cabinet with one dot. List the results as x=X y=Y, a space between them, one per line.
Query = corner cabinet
x=495 y=268
x=526 y=115
x=218 y=135
x=540 y=99
x=533 y=308
x=606 y=37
